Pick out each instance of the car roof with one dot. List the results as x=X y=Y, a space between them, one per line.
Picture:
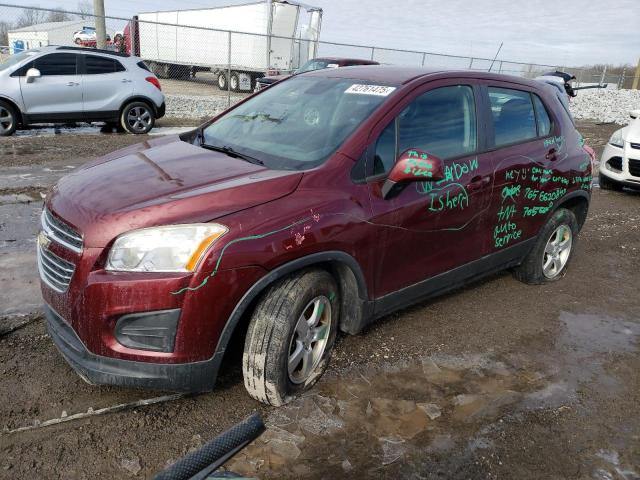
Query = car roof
x=400 y=75
x=345 y=59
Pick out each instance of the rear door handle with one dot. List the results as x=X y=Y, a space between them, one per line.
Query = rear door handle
x=478 y=183
x=126 y=80
x=551 y=155
x=72 y=84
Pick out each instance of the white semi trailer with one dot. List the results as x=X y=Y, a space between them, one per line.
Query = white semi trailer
x=239 y=43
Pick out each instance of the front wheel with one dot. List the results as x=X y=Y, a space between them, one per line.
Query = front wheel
x=8 y=119
x=290 y=337
x=549 y=258
x=137 y=118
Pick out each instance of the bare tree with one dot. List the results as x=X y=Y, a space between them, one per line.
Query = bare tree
x=85 y=9
x=4 y=30
x=30 y=16
x=58 y=15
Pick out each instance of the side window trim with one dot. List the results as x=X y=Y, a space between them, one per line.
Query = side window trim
x=491 y=147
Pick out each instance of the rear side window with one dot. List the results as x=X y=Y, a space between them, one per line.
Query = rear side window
x=95 y=65
x=542 y=117
x=513 y=116
x=441 y=121
x=57 y=64
x=143 y=66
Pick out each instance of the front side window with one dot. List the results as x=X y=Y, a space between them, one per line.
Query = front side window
x=513 y=116
x=56 y=64
x=95 y=65
x=299 y=123
x=441 y=121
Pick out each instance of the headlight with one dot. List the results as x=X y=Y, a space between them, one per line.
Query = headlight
x=174 y=248
x=616 y=139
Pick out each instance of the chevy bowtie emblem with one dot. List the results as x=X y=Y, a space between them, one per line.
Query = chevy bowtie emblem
x=43 y=240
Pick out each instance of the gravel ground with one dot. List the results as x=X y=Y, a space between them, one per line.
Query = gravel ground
x=496 y=380
x=604 y=105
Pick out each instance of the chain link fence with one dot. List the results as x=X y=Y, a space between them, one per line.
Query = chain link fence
x=204 y=70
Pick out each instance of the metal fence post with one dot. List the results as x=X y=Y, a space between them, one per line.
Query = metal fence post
x=604 y=73
x=424 y=55
x=500 y=67
x=373 y=49
x=470 y=63
x=229 y=74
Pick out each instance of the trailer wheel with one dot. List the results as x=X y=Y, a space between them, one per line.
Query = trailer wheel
x=234 y=82
x=222 y=81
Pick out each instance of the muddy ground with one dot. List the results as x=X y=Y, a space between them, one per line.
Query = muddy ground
x=497 y=380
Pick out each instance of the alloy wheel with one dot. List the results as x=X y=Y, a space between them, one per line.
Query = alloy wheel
x=6 y=120
x=139 y=119
x=309 y=339
x=557 y=251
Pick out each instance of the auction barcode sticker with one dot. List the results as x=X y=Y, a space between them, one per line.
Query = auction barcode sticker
x=380 y=90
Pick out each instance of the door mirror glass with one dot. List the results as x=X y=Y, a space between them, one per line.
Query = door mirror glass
x=32 y=74
x=413 y=165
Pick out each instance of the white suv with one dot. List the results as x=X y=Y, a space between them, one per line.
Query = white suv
x=620 y=162
x=73 y=84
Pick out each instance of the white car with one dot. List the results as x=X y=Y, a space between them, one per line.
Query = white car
x=87 y=33
x=74 y=84
x=620 y=162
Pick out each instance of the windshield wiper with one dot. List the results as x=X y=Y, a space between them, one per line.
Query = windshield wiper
x=232 y=153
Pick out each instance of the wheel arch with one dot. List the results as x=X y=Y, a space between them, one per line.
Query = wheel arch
x=578 y=203
x=15 y=107
x=138 y=98
x=356 y=309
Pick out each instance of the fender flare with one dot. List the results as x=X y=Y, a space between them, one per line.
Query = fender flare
x=333 y=256
x=139 y=98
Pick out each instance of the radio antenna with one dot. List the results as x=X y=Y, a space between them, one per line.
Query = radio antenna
x=494 y=58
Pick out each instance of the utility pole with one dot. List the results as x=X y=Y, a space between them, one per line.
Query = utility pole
x=636 y=78
x=101 y=29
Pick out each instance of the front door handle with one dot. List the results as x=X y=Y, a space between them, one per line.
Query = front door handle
x=72 y=84
x=551 y=155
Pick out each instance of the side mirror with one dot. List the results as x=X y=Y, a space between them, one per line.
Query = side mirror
x=635 y=114
x=413 y=165
x=32 y=74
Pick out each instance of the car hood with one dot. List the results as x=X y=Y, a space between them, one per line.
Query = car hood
x=160 y=182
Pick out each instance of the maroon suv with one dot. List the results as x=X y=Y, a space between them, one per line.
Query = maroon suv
x=317 y=205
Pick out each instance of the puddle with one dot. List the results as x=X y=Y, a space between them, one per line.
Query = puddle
x=402 y=419
x=84 y=129
x=384 y=420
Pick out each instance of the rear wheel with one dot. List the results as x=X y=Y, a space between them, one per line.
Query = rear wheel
x=137 y=118
x=549 y=258
x=234 y=83
x=607 y=184
x=8 y=119
x=290 y=337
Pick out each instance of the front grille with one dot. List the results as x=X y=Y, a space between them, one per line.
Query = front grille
x=615 y=163
x=61 y=232
x=54 y=271
x=634 y=167
x=635 y=145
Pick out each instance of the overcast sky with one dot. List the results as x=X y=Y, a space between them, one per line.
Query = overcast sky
x=562 y=32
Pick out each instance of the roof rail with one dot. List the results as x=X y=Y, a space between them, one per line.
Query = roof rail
x=96 y=50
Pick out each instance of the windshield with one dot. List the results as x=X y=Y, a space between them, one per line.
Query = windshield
x=16 y=58
x=315 y=65
x=297 y=124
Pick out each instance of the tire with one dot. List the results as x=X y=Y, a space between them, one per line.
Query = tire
x=607 y=184
x=274 y=337
x=549 y=258
x=137 y=118
x=222 y=81
x=8 y=119
x=234 y=82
